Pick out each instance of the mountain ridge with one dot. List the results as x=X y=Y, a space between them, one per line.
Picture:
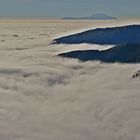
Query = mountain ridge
x=104 y=36
x=127 y=53
x=97 y=16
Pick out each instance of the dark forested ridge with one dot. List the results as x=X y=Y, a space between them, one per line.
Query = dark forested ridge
x=104 y=36
x=128 y=53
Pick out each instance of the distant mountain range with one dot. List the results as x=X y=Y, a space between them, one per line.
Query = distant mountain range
x=98 y=16
x=128 y=53
x=104 y=36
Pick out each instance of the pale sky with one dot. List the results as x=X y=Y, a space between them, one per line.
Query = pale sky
x=62 y=8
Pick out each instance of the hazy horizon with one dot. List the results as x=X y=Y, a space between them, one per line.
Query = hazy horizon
x=64 y=8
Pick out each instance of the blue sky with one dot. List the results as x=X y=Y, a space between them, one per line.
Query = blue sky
x=61 y=8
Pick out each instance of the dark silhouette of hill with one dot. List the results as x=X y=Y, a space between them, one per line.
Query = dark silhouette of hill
x=104 y=36
x=97 y=16
x=128 y=53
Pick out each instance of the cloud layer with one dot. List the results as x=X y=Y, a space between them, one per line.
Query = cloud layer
x=43 y=96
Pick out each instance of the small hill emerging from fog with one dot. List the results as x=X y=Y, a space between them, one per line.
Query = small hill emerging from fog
x=98 y=16
x=104 y=36
x=129 y=53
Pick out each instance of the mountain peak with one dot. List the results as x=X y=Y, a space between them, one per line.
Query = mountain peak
x=97 y=16
x=101 y=16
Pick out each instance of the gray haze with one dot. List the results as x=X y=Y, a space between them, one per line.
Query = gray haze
x=62 y=8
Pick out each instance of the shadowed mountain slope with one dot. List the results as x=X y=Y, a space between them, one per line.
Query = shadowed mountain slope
x=104 y=36
x=129 y=53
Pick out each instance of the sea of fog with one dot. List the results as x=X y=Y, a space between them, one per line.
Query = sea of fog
x=46 y=97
